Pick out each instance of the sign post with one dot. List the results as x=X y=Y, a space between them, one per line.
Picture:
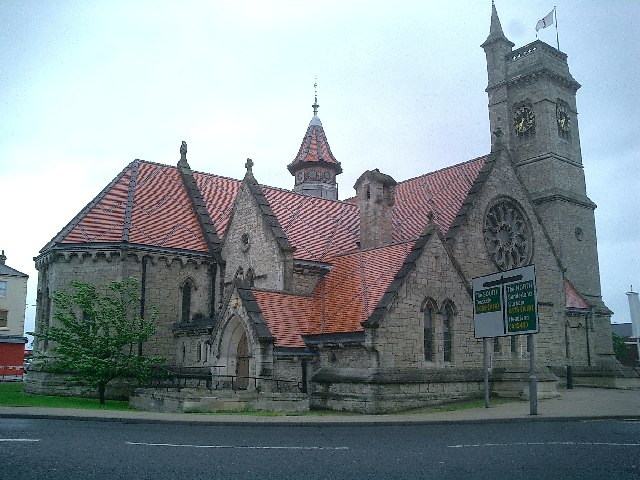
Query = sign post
x=505 y=304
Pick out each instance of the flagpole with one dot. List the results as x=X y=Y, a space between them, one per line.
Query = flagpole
x=555 y=13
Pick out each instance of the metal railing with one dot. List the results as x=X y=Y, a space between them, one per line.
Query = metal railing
x=188 y=377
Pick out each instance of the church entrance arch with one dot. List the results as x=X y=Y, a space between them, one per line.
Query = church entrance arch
x=235 y=356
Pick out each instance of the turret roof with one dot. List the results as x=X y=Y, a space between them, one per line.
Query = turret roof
x=315 y=147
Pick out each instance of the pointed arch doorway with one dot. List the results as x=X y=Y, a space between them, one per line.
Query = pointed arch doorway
x=242 y=363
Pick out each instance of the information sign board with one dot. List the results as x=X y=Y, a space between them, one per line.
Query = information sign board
x=505 y=303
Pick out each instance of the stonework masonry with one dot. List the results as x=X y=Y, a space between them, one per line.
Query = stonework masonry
x=401 y=331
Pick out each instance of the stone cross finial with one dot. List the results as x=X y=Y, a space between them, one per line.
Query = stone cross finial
x=248 y=165
x=183 y=150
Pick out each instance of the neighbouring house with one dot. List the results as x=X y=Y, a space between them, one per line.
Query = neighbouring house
x=13 y=297
x=625 y=331
x=365 y=304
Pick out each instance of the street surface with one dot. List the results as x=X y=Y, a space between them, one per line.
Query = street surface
x=65 y=449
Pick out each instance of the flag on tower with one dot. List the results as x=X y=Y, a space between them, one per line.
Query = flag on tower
x=546 y=21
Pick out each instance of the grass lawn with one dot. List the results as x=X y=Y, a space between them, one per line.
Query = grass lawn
x=12 y=395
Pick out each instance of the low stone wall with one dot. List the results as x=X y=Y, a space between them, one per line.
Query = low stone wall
x=389 y=390
x=382 y=391
x=613 y=375
x=514 y=383
x=65 y=385
x=200 y=400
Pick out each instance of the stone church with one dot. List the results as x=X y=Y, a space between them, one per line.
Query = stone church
x=363 y=304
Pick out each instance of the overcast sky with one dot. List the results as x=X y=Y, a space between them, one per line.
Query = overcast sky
x=88 y=86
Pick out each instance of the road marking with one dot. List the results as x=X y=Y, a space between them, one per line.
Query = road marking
x=246 y=447
x=608 y=444
x=19 y=439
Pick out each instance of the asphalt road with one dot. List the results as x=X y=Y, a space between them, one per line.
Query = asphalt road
x=62 y=449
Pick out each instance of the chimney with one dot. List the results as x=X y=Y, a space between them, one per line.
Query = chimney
x=3 y=258
x=375 y=193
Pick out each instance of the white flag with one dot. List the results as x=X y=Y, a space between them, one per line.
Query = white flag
x=546 y=21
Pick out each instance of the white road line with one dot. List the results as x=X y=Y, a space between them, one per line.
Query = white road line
x=247 y=447
x=19 y=439
x=608 y=444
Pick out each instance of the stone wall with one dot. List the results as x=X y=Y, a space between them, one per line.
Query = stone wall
x=164 y=275
x=399 y=340
x=250 y=244
x=388 y=390
x=469 y=248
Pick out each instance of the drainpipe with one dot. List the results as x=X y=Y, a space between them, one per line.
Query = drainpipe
x=586 y=321
x=143 y=289
x=323 y=305
x=568 y=355
x=213 y=271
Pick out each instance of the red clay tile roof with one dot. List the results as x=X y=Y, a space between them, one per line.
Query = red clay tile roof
x=314 y=149
x=355 y=285
x=104 y=217
x=318 y=228
x=147 y=205
x=572 y=298
x=352 y=290
x=161 y=214
x=219 y=194
x=288 y=316
x=441 y=192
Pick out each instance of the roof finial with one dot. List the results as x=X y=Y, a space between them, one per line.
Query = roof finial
x=248 y=165
x=315 y=103
x=183 y=150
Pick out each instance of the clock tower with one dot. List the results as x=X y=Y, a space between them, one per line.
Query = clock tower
x=532 y=109
x=315 y=168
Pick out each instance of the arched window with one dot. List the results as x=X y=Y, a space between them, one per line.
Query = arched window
x=428 y=318
x=447 y=330
x=186 y=301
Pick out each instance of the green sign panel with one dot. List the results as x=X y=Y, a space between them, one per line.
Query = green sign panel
x=488 y=300
x=521 y=307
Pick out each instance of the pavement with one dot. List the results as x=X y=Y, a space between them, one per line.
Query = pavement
x=576 y=404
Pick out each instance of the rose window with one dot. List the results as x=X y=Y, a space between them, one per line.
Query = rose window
x=507 y=235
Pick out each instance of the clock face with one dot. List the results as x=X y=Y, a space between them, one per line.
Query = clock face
x=564 y=120
x=524 y=119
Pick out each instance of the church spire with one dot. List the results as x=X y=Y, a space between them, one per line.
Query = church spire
x=495 y=30
x=314 y=167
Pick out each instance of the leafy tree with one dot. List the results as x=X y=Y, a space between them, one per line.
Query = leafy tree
x=620 y=348
x=96 y=335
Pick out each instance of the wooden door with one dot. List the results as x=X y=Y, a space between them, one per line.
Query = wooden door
x=242 y=363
